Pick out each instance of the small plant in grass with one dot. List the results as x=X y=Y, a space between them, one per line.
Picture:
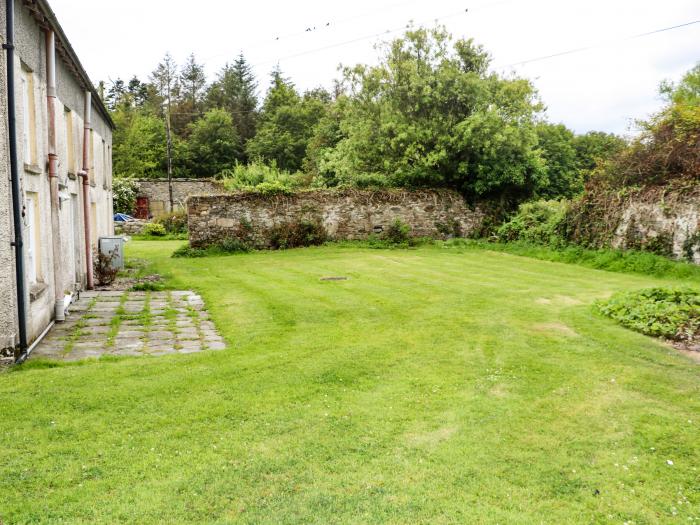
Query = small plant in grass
x=186 y=251
x=154 y=229
x=673 y=313
x=148 y=286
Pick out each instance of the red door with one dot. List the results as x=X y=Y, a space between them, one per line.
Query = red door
x=142 y=208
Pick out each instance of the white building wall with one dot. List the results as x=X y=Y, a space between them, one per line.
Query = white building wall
x=31 y=55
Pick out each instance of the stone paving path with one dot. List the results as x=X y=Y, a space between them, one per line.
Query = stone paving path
x=131 y=324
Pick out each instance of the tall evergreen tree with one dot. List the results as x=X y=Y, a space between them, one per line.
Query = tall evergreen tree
x=193 y=81
x=188 y=106
x=138 y=91
x=115 y=94
x=235 y=91
x=165 y=79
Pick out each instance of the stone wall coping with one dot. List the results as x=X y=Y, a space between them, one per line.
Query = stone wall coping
x=321 y=195
x=202 y=179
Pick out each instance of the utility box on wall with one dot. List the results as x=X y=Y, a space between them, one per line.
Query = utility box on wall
x=113 y=247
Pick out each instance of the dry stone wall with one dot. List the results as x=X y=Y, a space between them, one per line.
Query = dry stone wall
x=345 y=215
x=663 y=220
x=670 y=225
x=156 y=190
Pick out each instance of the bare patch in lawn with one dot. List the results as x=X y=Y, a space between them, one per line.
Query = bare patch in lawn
x=432 y=438
x=499 y=390
x=559 y=300
x=555 y=328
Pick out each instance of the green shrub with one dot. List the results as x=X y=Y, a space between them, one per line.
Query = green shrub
x=233 y=245
x=262 y=178
x=186 y=251
x=154 y=229
x=223 y=247
x=174 y=222
x=540 y=222
x=297 y=234
x=398 y=233
x=673 y=313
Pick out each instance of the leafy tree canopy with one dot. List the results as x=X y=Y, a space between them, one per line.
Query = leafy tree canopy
x=214 y=143
x=430 y=114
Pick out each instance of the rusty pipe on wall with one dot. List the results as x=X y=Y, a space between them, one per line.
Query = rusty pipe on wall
x=59 y=308
x=84 y=174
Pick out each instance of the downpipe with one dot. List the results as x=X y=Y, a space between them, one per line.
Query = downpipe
x=84 y=174
x=59 y=310
x=17 y=244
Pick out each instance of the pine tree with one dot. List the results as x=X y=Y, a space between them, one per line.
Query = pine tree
x=193 y=81
x=165 y=78
x=235 y=91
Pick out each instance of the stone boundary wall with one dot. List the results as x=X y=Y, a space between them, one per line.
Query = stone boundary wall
x=345 y=214
x=129 y=228
x=156 y=190
x=661 y=220
x=670 y=224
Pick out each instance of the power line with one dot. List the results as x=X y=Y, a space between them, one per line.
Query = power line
x=313 y=28
x=602 y=44
x=360 y=39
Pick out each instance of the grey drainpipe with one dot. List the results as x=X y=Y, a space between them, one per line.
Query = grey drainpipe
x=59 y=307
x=14 y=177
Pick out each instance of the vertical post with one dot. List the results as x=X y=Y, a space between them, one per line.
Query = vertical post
x=17 y=213
x=59 y=311
x=170 y=153
x=84 y=173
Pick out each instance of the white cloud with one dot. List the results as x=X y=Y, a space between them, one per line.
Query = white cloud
x=603 y=88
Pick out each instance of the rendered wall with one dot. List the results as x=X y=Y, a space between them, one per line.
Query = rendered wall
x=31 y=55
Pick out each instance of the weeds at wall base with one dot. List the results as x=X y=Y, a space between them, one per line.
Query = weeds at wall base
x=620 y=261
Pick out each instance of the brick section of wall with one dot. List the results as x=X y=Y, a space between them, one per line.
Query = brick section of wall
x=156 y=190
x=345 y=215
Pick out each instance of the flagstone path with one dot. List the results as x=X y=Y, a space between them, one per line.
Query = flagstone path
x=122 y=323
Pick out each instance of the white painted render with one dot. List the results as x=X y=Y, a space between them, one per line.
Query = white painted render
x=31 y=58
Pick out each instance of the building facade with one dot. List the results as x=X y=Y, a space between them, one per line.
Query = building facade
x=64 y=170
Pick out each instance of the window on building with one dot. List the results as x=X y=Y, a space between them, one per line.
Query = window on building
x=32 y=225
x=70 y=142
x=29 y=116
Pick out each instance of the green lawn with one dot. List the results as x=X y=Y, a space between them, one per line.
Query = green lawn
x=433 y=386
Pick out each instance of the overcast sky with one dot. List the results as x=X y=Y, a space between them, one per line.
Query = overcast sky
x=600 y=89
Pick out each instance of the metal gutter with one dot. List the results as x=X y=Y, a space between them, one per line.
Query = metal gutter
x=17 y=206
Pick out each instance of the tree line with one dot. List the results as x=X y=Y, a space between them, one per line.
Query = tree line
x=429 y=113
